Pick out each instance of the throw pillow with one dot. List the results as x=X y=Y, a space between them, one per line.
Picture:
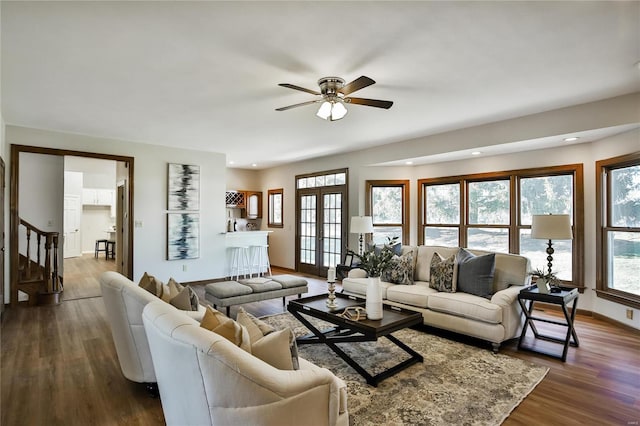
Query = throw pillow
x=186 y=300
x=443 y=273
x=277 y=348
x=151 y=284
x=171 y=290
x=475 y=273
x=218 y=323
x=400 y=270
x=396 y=248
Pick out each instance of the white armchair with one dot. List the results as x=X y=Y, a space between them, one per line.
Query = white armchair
x=204 y=380
x=124 y=302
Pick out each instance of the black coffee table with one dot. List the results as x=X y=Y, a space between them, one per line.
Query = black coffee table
x=345 y=330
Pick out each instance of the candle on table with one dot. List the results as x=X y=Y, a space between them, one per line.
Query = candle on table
x=331 y=275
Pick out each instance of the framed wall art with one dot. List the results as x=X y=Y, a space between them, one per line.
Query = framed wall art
x=183 y=189
x=183 y=236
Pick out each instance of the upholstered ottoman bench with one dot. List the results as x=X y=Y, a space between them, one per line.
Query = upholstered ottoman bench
x=228 y=293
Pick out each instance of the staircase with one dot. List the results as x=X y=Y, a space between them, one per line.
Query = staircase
x=38 y=275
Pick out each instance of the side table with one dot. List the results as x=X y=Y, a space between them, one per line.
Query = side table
x=563 y=298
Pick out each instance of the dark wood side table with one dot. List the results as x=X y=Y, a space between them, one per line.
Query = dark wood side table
x=563 y=298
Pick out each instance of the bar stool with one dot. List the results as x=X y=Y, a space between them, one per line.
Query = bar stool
x=260 y=259
x=99 y=249
x=111 y=250
x=239 y=261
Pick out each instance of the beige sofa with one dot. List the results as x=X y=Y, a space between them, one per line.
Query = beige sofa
x=124 y=301
x=496 y=319
x=204 y=379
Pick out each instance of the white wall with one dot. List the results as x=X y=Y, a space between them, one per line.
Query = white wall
x=150 y=199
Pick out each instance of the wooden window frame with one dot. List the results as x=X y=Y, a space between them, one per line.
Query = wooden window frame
x=515 y=225
x=603 y=205
x=368 y=206
x=270 y=222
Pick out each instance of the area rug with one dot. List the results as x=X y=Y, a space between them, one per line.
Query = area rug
x=457 y=383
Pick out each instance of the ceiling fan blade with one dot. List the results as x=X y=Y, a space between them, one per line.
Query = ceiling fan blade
x=293 y=86
x=298 y=105
x=370 y=102
x=357 y=84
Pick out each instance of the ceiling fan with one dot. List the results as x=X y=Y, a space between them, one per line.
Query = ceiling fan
x=333 y=95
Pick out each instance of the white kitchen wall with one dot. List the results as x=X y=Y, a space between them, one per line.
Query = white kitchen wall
x=150 y=195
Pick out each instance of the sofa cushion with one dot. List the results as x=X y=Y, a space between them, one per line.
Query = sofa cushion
x=423 y=261
x=400 y=270
x=217 y=322
x=151 y=284
x=225 y=289
x=358 y=286
x=289 y=281
x=277 y=348
x=259 y=285
x=475 y=273
x=443 y=275
x=413 y=295
x=187 y=300
x=466 y=305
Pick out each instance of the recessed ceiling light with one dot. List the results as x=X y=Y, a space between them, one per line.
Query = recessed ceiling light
x=254 y=165
x=231 y=162
x=476 y=153
x=571 y=139
x=408 y=163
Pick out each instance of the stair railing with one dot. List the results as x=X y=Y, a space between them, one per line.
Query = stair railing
x=50 y=273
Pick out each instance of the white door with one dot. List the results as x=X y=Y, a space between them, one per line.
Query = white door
x=72 y=218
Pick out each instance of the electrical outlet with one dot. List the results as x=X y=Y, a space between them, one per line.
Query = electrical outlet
x=137 y=224
x=50 y=223
x=184 y=268
x=630 y=314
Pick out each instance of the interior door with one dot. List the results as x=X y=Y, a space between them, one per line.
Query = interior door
x=1 y=236
x=72 y=219
x=320 y=229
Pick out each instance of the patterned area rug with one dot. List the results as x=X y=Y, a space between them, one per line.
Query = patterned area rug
x=457 y=383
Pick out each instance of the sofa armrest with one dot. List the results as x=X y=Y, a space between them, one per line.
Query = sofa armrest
x=507 y=296
x=357 y=273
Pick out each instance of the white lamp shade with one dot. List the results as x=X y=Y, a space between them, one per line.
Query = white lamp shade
x=324 y=111
x=338 y=111
x=361 y=225
x=551 y=227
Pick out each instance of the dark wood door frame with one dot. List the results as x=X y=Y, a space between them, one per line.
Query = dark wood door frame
x=15 y=191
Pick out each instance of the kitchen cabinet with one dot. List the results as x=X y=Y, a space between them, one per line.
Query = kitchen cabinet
x=235 y=199
x=98 y=197
x=253 y=209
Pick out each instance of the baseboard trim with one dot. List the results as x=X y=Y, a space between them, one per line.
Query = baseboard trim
x=594 y=315
x=617 y=323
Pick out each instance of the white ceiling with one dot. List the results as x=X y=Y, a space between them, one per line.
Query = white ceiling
x=204 y=75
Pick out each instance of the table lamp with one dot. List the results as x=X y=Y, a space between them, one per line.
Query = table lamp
x=361 y=225
x=551 y=227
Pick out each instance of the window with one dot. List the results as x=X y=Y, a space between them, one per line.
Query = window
x=387 y=202
x=275 y=208
x=618 y=229
x=493 y=212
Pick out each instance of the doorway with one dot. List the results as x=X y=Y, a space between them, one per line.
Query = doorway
x=126 y=166
x=321 y=212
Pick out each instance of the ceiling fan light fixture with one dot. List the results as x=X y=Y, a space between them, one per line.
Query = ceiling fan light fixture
x=338 y=111
x=324 y=111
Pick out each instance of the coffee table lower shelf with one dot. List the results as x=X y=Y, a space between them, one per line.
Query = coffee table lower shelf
x=346 y=331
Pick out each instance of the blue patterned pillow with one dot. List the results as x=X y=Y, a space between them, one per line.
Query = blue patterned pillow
x=400 y=270
x=444 y=273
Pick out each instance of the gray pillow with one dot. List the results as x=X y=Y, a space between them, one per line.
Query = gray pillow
x=475 y=273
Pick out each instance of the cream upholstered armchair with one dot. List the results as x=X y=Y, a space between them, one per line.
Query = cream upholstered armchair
x=124 y=301
x=204 y=379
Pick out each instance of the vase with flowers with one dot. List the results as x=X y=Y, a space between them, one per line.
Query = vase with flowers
x=374 y=261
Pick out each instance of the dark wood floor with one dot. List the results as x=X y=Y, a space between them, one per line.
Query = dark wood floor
x=59 y=367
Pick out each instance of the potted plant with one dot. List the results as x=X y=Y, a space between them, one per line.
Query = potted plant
x=545 y=280
x=373 y=261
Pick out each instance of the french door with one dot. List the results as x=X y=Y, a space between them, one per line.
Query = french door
x=321 y=228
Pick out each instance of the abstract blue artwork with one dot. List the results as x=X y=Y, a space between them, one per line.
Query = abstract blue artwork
x=183 y=235
x=183 y=187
